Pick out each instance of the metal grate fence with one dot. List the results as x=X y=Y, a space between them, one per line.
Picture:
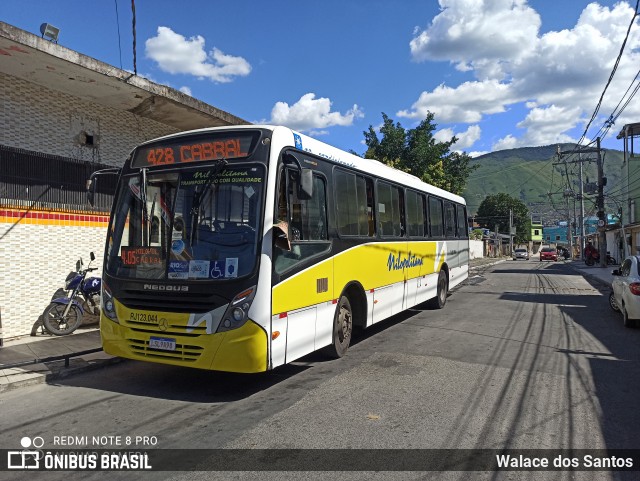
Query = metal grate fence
x=31 y=179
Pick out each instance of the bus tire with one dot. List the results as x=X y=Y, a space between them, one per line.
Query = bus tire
x=440 y=300
x=342 y=329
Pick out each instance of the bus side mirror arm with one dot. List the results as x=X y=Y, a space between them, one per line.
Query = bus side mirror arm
x=306 y=176
x=92 y=182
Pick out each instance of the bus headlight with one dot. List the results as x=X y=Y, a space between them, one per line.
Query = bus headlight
x=108 y=305
x=238 y=314
x=238 y=311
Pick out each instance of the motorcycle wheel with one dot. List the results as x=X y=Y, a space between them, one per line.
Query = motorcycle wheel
x=589 y=261
x=56 y=324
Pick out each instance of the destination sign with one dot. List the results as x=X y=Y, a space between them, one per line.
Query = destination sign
x=192 y=149
x=133 y=256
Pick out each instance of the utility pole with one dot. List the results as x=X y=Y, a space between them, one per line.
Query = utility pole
x=566 y=196
x=580 y=195
x=581 y=199
x=602 y=217
x=511 y=231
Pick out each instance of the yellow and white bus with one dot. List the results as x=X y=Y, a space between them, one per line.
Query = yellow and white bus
x=244 y=248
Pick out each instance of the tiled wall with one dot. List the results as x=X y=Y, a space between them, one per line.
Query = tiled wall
x=38 y=249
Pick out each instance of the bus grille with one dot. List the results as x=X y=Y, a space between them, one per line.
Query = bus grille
x=183 y=352
x=176 y=330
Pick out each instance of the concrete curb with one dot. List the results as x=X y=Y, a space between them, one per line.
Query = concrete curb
x=52 y=371
x=475 y=268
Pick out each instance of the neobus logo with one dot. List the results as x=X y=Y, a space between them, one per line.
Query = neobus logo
x=160 y=287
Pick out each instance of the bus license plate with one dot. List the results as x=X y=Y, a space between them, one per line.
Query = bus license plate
x=163 y=343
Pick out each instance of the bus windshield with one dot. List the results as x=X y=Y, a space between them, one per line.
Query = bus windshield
x=197 y=224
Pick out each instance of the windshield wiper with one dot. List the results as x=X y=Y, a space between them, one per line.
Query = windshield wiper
x=143 y=199
x=215 y=171
x=153 y=210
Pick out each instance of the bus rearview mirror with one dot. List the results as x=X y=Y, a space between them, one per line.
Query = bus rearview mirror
x=91 y=191
x=306 y=184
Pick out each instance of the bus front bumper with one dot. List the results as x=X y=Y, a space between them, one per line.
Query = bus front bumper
x=242 y=350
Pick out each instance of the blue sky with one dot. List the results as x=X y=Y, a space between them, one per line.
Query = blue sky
x=496 y=73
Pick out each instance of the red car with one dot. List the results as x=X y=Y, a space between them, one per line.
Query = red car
x=548 y=254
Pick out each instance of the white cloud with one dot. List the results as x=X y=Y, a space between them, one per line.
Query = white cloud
x=317 y=133
x=478 y=34
x=557 y=76
x=186 y=90
x=465 y=103
x=465 y=139
x=311 y=113
x=176 y=54
x=477 y=153
x=544 y=126
x=508 y=142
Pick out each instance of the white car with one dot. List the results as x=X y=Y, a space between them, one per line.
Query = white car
x=625 y=291
x=520 y=254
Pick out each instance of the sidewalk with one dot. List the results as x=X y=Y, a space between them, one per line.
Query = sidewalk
x=479 y=262
x=599 y=274
x=43 y=348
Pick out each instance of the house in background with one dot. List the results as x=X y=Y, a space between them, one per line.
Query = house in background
x=536 y=234
x=627 y=238
x=556 y=235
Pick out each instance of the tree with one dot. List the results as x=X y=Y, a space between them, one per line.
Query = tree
x=476 y=234
x=417 y=152
x=494 y=210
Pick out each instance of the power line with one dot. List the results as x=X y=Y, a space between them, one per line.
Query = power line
x=613 y=71
x=531 y=176
x=133 y=10
x=118 y=24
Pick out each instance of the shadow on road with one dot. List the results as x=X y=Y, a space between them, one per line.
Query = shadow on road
x=602 y=357
x=161 y=381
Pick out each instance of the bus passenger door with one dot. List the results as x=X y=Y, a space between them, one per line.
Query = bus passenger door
x=304 y=288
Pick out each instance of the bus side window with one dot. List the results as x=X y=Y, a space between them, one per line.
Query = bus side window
x=415 y=214
x=435 y=217
x=305 y=221
x=354 y=203
x=390 y=210
x=463 y=231
x=449 y=220
x=370 y=216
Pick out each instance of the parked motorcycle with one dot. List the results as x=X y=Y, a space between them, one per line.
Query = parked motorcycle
x=64 y=314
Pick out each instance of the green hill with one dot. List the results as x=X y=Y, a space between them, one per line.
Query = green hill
x=529 y=174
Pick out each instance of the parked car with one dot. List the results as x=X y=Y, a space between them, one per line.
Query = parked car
x=548 y=254
x=625 y=291
x=520 y=254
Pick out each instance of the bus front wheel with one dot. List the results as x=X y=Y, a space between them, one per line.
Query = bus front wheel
x=440 y=300
x=342 y=329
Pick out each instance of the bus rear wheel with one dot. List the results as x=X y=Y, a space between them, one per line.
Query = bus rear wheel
x=342 y=329
x=440 y=300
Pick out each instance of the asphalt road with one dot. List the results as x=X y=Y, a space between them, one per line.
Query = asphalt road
x=525 y=355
